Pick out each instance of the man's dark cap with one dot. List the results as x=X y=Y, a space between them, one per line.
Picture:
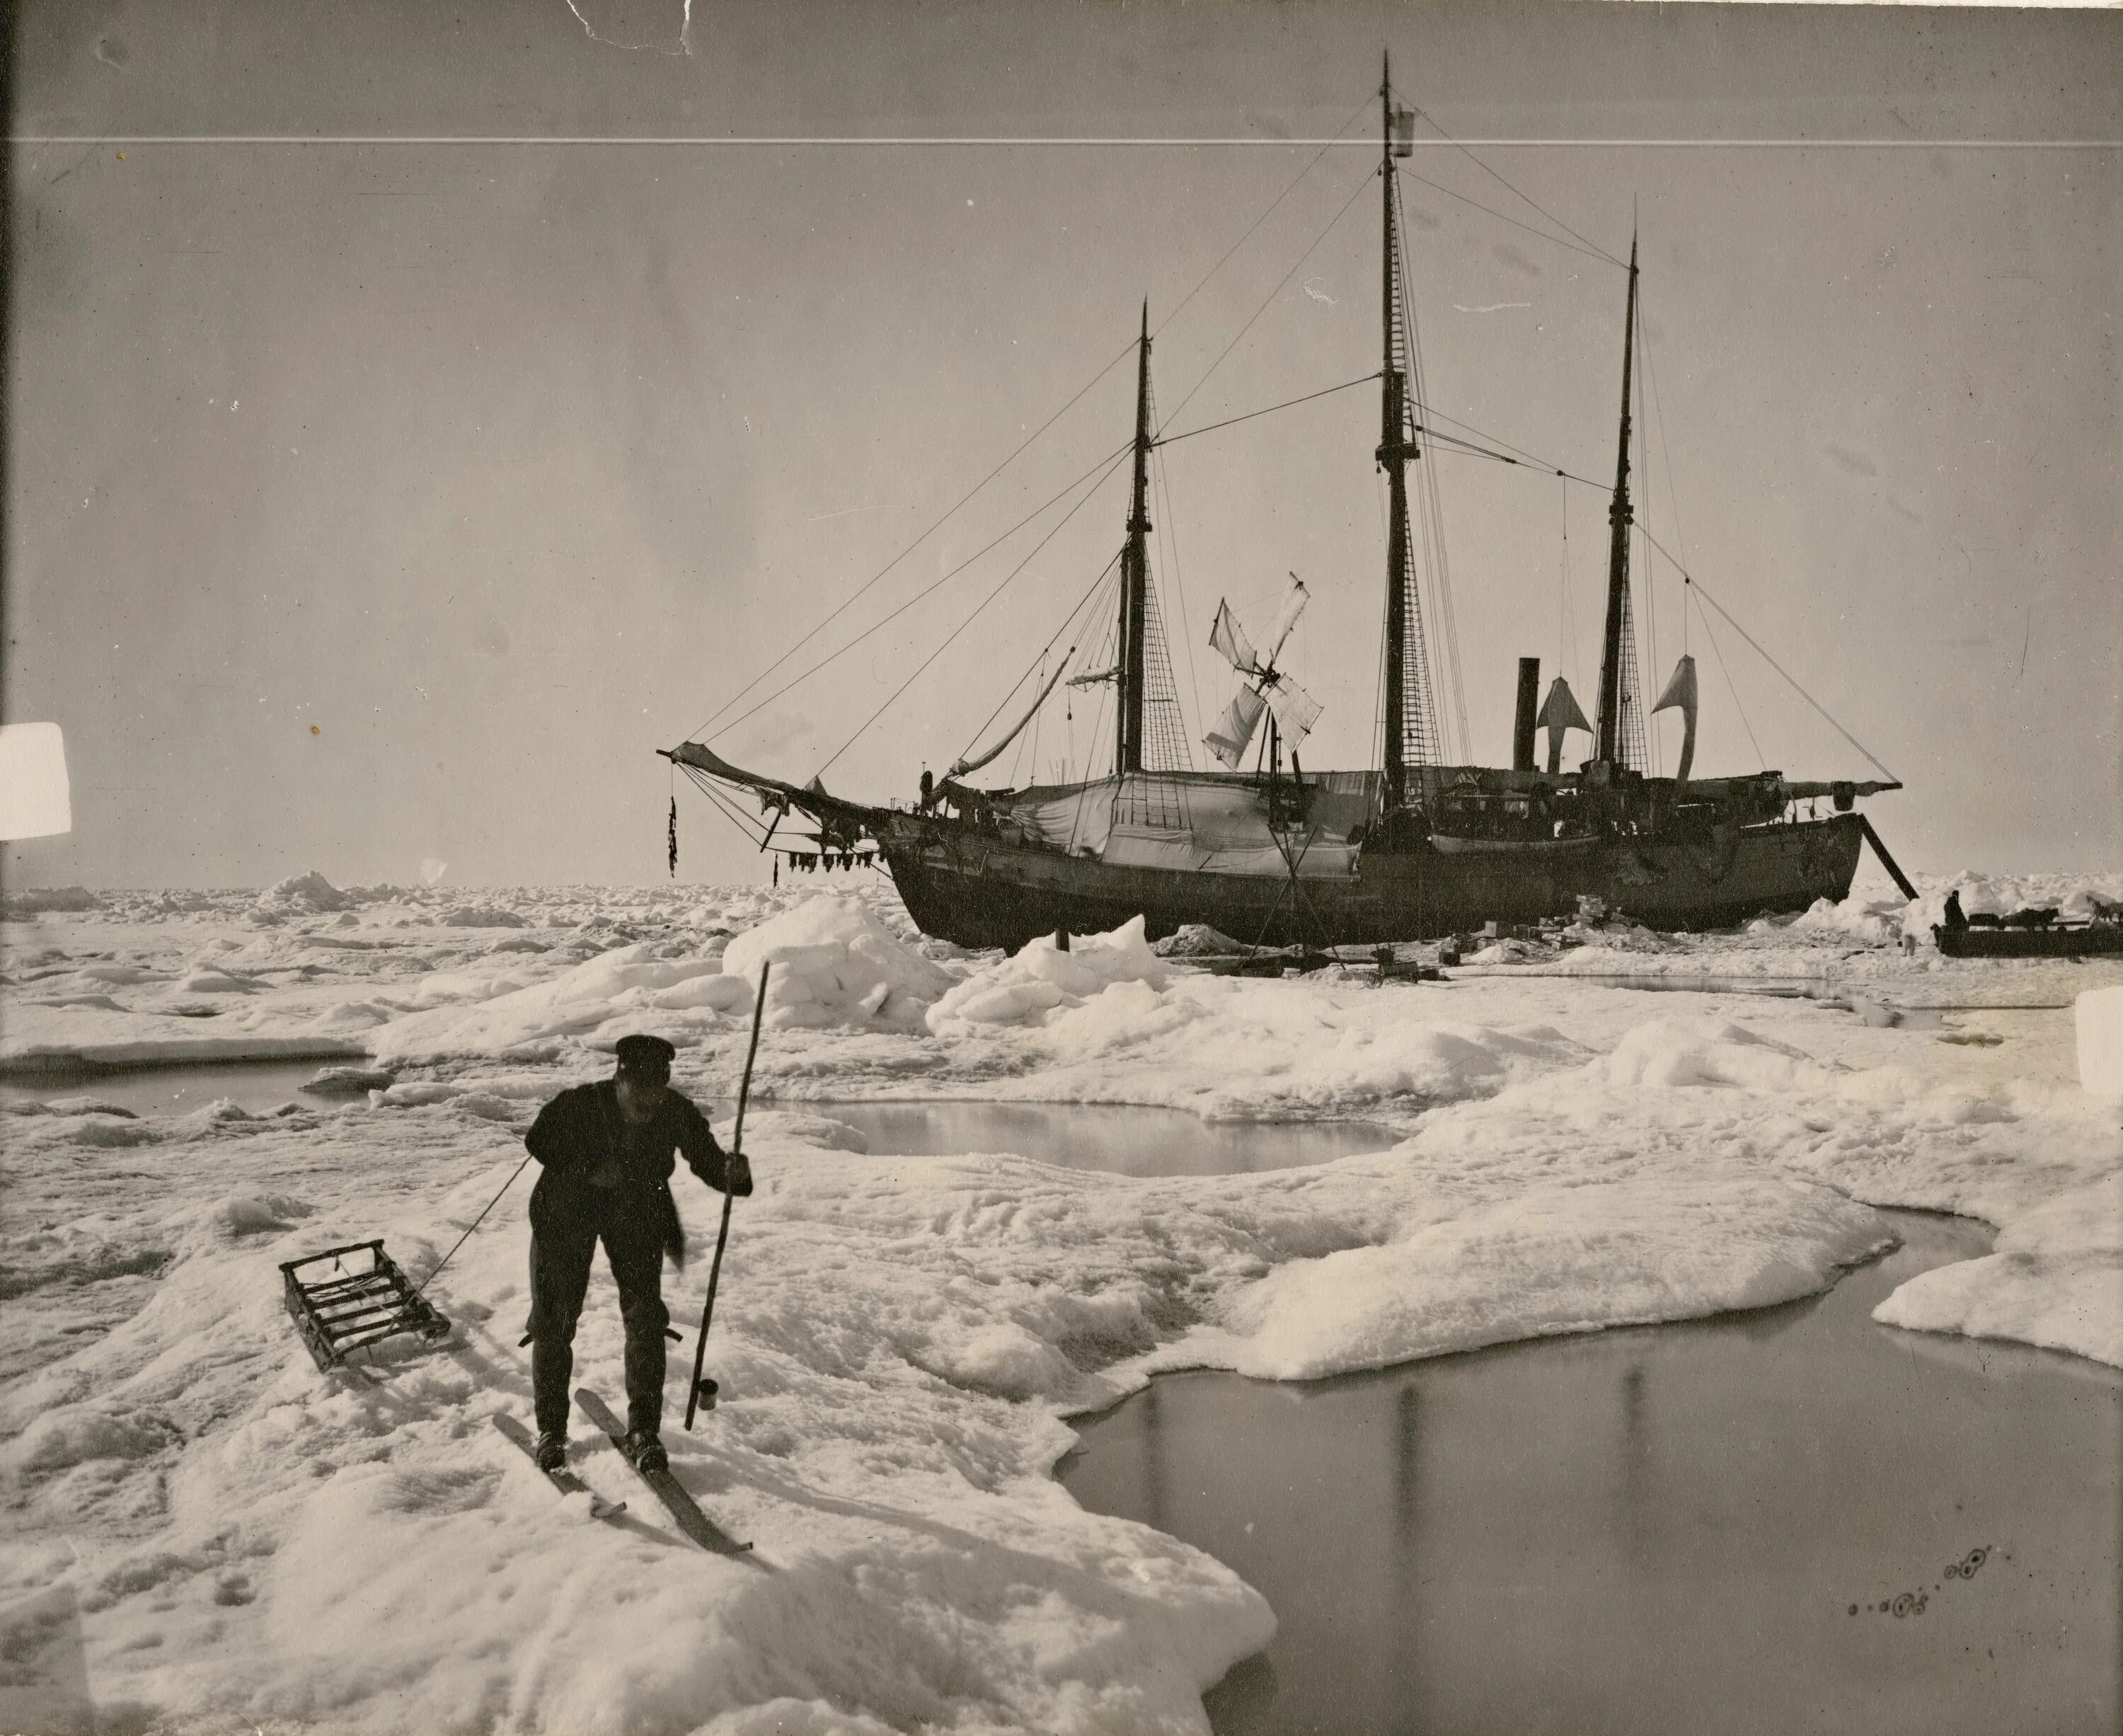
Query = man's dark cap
x=644 y=1058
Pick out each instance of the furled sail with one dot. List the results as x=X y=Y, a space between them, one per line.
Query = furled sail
x=1680 y=695
x=961 y=767
x=1559 y=712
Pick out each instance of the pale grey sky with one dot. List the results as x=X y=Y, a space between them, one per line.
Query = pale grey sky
x=375 y=502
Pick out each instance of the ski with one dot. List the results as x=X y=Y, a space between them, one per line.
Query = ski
x=690 y=1520
x=564 y=1480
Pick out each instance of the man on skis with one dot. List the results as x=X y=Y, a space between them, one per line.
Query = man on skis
x=606 y=1152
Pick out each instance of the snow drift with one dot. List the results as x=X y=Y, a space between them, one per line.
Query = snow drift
x=234 y=1539
x=1041 y=980
x=836 y=963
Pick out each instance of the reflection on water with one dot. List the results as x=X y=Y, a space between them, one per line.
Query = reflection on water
x=1113 y=1140
x=258 y=1086
x=1741 y=1524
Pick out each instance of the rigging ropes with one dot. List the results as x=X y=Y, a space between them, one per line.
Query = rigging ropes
x=1254 y=227
x=1164 y=481
x=1703 y=591
x=1761 y=759
x=848 y=602
x=1421 y=729
x=952 y=636
x=961 y=766
x=1492 y=211
x=1287 y=404
x=1281 y=284
x=1097 y=590
x=1018 y=451
x=1108 y=460
x=1653 y=746
x=1589 y=246
x=1166 y=744
x=1433 y=517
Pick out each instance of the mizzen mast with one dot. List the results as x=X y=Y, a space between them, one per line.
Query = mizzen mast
x=1613 y=741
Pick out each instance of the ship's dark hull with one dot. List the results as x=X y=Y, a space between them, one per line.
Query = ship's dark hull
x=962 y=885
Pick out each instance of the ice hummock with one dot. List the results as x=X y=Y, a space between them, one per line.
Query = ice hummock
x=897 y=1338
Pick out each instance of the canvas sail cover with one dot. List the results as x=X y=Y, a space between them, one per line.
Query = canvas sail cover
x=1225 y=832
x=1680 y=695
x=960 y=767
x=1679 y=690
x=1076 y=818
x=1560 y=710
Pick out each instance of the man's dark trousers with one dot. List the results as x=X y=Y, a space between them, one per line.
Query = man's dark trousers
x=631 y=1223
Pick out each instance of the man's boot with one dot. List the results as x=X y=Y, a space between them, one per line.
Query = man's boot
x=552 y=1449
x=644 y=1447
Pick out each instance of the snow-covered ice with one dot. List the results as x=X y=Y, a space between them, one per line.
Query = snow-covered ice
x=234 y=1538
x=2099 y=1015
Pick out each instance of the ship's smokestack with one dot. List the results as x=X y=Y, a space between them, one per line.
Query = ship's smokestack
x=1523 y=726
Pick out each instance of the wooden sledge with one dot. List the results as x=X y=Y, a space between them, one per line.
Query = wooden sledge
x=356 y=1296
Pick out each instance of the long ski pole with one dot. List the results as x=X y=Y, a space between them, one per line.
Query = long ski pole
x=722 y=1235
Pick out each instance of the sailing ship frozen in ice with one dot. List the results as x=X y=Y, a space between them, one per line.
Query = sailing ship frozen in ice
x=1409 y=848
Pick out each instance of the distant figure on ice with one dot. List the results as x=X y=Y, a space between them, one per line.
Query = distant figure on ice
x=607 y=1152
x=1954 y=918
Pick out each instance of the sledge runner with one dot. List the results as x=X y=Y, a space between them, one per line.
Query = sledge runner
x=607 y=1152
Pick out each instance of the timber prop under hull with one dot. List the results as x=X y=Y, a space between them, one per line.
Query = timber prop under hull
x=965 y=885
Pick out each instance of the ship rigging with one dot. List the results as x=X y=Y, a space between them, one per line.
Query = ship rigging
x=1417 y=845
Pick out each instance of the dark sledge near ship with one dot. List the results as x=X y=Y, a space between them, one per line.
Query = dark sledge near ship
x=1410 y=849
x=2038 y=939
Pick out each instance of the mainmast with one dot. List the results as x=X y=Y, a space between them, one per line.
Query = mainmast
x=1394 y=452
x=1609 y=742
x=1135 y=577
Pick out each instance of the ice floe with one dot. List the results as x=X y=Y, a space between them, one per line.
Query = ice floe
x=899 y=1338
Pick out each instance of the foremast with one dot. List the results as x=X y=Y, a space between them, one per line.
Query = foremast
x=1409 y=731
x=1135 y=577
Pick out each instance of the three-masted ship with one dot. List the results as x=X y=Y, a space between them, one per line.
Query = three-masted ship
x=1410 y=848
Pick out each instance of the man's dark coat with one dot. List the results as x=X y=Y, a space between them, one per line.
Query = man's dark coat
x=583 y=1126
